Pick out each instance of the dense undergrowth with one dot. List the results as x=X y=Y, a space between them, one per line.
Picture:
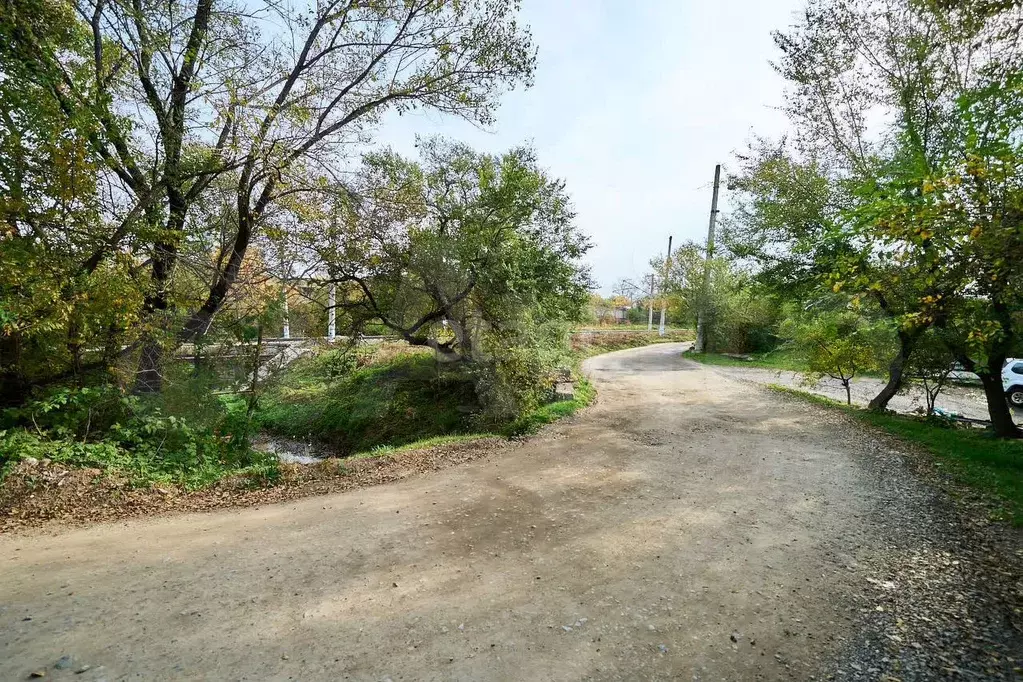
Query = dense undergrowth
x=374 y=402
x=779 y=359
x=188 y=435
x=395 y=401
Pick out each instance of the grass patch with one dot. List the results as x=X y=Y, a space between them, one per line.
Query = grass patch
x=533 y=421
x=433 y=442
x=780 y=359
x=809 y=397
x=586 y=345
x=403 y=399
x=972 y=457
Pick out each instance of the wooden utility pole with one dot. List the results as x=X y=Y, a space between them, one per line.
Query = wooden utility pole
x=650 y=319
x=701 y=320
x=664 y=285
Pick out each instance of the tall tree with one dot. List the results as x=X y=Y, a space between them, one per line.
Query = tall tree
x=908 y=97
x=266 y=97
x=446 y=250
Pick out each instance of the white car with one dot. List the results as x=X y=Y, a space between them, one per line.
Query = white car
x=1012 y=381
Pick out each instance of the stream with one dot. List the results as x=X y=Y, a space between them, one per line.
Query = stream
x=291 y=451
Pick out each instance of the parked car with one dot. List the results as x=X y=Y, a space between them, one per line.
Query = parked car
x=1012 y=381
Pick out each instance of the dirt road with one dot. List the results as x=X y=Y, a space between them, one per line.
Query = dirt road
x=685 y=527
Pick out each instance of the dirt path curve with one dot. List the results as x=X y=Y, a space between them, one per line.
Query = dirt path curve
x=685 y=527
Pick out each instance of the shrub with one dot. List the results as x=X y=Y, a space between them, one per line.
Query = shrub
x=103 y=427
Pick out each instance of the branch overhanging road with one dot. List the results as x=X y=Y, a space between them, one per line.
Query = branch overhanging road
x=687 y=526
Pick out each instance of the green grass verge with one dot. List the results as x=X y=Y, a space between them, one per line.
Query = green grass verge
x=435 y=441
x=404 y=400
x=781 y=359
x=972 y=457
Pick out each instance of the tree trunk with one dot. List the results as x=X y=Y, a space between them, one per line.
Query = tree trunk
x=254 y=383
x=997 y=405
x=201 y=320
x=907 y=340
x=848 y=391
x=14 y=386
x=149 y=378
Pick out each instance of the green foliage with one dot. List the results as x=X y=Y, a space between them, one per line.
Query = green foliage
x=918 y=107
x=931 y=363
x=840 y=344
x=474 y=255
x=741 y=313
x=97 y=210
x=514 y=372
x=533 y=420
x=403 y=399
x=787 y=218
x=146 y=440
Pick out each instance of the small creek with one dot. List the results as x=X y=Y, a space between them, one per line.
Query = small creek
x=291 y=451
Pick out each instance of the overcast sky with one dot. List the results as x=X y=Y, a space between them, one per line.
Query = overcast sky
x=634 y=103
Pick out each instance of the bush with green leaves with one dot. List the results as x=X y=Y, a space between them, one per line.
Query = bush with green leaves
x=516 y=370
x=931 y=363
x=192 y=442
x=840 y=344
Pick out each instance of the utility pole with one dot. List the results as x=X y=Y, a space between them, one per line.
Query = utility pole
x=701 y=320
x=650 y=319
x=664 y=285
x=332 y=313
x=287 y=320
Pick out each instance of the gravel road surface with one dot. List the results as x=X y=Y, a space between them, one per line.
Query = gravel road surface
x=687 y=526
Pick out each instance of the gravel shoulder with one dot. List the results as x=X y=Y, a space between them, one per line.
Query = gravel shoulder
x=687 y=526
x=964 y=400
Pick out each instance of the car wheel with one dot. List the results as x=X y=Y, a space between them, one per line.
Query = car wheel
x=1015 y=396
